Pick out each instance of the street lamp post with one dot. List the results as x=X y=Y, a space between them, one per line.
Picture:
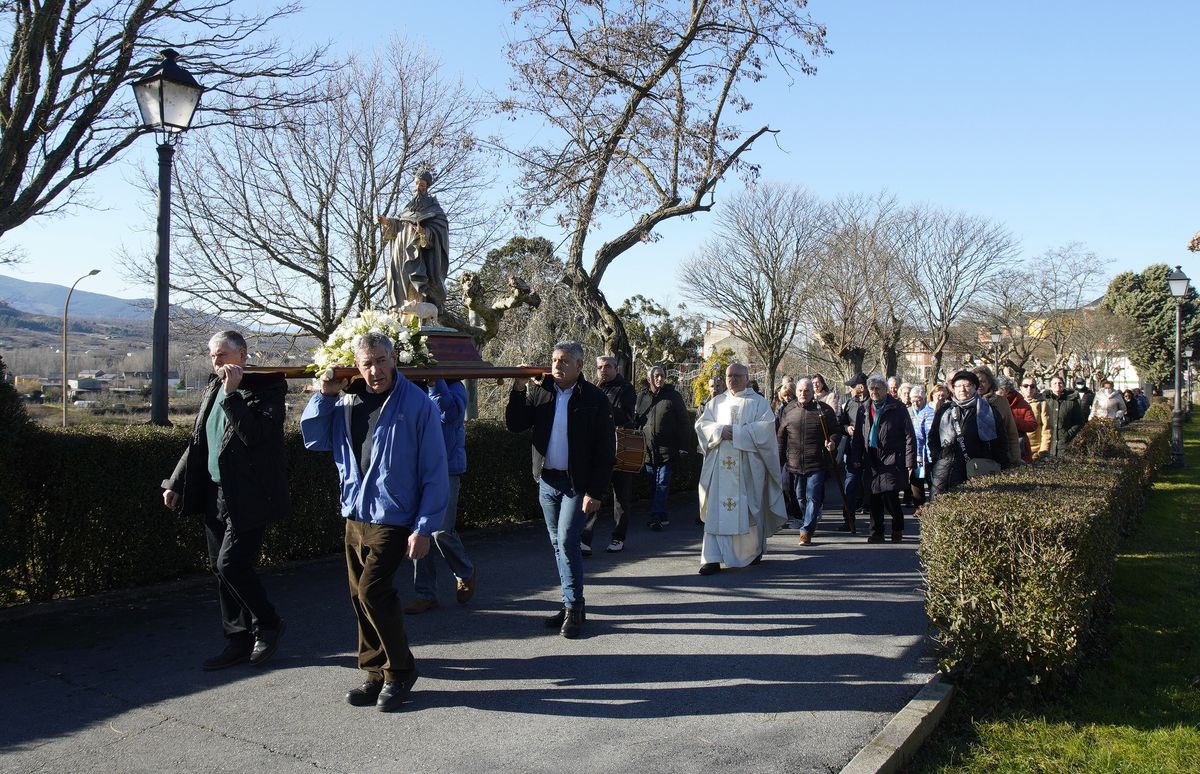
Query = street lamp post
x=167 y=97
x=1178 y=283
x=996 y=336
x=66 y=305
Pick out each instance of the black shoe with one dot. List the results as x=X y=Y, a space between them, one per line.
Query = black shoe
x=711 y=568
x=757 y=560
x=555 y=621
x=875 y=537
x=393 y=694
x=236 y=652
x=656 y=526
x=572 y=622
x=365 y=694
x=586 y=548
x=844 y=527
x=266 y=643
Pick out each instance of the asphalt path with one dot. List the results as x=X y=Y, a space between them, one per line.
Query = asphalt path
x=788 y=666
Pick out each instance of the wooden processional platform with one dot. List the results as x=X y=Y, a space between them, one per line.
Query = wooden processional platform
x=456 y=355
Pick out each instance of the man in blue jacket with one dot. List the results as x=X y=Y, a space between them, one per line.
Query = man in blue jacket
x=450 y=401
x=387 y=443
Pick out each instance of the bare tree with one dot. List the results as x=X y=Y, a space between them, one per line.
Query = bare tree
x=949 y=259
x=64 y=104
x=1064 y=280
x=866 y=234
x=1009 y=303
x=638 y=98
x=278 y=224
x=754 y=271
x=838 y=308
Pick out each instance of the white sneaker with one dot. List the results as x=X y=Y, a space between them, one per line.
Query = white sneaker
x=615 y=546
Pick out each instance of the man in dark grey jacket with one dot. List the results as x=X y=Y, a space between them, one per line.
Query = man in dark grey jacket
x=667 y=429
x=234 y=471
x=622 y=400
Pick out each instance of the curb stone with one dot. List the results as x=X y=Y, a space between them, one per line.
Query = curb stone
x=903 y=735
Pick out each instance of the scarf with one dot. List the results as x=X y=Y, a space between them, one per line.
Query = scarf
x=873 y=437
x=985 y=420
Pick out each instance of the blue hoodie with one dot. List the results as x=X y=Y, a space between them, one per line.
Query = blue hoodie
x=406 y=483
x=450 y=400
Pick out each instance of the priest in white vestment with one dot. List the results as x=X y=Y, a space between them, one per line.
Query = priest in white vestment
x=741 y=498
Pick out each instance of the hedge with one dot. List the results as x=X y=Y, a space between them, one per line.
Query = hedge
x=1018 y=566
x=81 y=508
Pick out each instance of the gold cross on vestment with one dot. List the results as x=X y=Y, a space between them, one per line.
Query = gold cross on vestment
x=729 y=463
x=730 y=503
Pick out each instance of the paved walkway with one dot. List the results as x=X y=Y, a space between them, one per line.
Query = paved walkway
x=789 y=666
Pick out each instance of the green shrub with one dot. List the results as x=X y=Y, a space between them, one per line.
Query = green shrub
x=1160 y=410
x=1018 y=566
x=82 y=507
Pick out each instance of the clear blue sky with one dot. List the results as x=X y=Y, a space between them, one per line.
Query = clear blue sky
x=1065 y=121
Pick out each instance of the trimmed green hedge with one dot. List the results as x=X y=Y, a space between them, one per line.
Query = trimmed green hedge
x=1018 y=567
x=81 y=508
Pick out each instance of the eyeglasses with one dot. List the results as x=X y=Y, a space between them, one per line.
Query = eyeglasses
x=1026 y=386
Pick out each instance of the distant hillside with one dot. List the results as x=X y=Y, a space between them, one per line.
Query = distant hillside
x=45 y=298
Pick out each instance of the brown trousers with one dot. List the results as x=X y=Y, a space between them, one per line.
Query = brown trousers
x=373 y=554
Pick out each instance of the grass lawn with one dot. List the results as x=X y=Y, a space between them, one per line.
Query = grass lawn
x=1138 y=708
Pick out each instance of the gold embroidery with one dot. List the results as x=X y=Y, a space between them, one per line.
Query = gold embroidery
x=729 y=463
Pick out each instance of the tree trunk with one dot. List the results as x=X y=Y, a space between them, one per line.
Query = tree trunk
x=601 y=318
x=890 y=359
x=854 y=358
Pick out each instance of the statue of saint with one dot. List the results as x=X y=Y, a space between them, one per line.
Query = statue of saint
x=419 y=255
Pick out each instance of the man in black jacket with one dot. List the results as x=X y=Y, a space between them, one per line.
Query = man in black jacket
x=234 y=471
x=668 y=432
x=622 y=399
x=848 y=419
x=574 y=448
x=808 y=434
x=1064 y=417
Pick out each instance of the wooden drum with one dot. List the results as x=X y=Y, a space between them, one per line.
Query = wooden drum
x=630 y=450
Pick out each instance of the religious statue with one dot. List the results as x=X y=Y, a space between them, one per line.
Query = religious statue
x=419 y=256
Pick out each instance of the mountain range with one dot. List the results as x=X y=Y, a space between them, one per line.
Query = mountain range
x=44 y=298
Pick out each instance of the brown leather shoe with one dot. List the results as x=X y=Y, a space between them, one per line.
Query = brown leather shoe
x=466 y=588
x=805 y=538
x=420 y=605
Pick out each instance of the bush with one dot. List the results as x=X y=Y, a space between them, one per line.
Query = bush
x=81 y=508
x=1018 y=566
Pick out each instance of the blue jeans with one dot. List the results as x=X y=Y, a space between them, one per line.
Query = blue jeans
x=661 y=474
x=810 y=493
x=447 y=543
x=563 y=508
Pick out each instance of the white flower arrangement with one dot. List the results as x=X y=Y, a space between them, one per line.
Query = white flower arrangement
x=411 y=349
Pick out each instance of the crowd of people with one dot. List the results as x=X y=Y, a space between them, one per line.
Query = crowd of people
x=895 y=443
x=399 y=449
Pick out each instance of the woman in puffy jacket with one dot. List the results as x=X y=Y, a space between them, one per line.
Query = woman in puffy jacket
x=1109 y=404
